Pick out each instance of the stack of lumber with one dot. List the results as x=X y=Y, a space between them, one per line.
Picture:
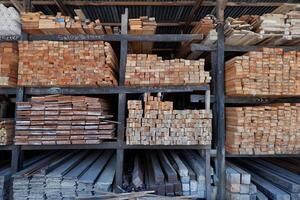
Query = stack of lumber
x=6 y=131
x=142 y=26
x=274 y=178
x=5 y=173
x=149 y=69
x=65 y=175
x=168 y=173
x=293 y=24
x=159 y=124
x=8 y=63
x=238 y=183
x=37 y=24
x=271 y=129
x=240 y=31
x=204 y=27
x=10 y=23
x=272 y=24
x=59 y=119
x=267 y=72
x=80 y=63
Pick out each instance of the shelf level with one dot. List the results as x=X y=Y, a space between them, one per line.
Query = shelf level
x=6 y=147
x=167 y=146
x=104 y=145
x=103 y=90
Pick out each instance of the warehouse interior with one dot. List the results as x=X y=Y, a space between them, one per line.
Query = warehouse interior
x=150 y=99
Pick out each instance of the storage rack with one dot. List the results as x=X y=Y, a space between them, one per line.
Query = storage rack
x=219 y=100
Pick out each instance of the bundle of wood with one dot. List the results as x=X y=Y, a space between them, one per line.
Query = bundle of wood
x=37 y=23
x=167 y=173
x=240 y=31
x=268 y=129
x=272 y=24
x=80 y=63
x=59 y=119
x=142 y=26
x=204 y=27
x=267 y=72
x=10 y=23
x=8 y=63
x=238 y=183
x=6 y=131
x=159 y=124
x=293 y=24
x=274 y=178
x=64 y=175
x=149 y=69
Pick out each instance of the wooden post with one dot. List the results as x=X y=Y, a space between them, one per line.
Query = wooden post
x=220 y=117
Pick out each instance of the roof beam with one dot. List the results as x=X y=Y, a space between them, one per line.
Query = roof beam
x=63 y=9
x=17 y=5
x=193 y=12
x=150 y=3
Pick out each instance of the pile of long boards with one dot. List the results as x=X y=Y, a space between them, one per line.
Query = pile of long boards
x=37 y=23
x=156 y=123
x=6 y=131
x=170 y=173
x=238 y=184
x=274 y=178
x=270 y=71
x=59 y=119
x=271 y=129
x=142 y=26
x=152 y=70
x=64 y=175
x=6 y=173
x=10 y=22
x=78 y=63
x=8 y=63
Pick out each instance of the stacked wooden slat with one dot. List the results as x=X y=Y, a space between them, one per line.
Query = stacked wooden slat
x=168 y=173
x=59 y=119
x=53 y=63
x=6 y=131
x=8 y=63
x=37 y=23
x=238 y=183
x=66 y=176
x=274 y=178
x=267 y=72
x=272 y=24
x=272 y=129
x=149 y=69
x=142 y=26
x=204 y=27
x=293 y=24
x=159 y=124
x=240 y=31
x=10 y=23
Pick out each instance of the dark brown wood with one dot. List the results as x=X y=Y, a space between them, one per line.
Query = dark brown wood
x=18 y=6
x=193 y=12
x=63 y=9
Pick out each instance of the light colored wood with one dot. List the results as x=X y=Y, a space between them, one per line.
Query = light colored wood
x=159 y=124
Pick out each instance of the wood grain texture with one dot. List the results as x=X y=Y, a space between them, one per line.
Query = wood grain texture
x=52 y=63
x=159 y=124
x=8 y=64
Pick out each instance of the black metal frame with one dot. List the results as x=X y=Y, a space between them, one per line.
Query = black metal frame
x=218 y=103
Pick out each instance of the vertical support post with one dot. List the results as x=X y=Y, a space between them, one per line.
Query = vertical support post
x=207 y=100
x=220 y=117
x=27 y=5
x=16 y=154
x=121 y=104
x=207 y=174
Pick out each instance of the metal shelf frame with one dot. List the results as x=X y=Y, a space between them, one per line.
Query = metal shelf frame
x=218 y=89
